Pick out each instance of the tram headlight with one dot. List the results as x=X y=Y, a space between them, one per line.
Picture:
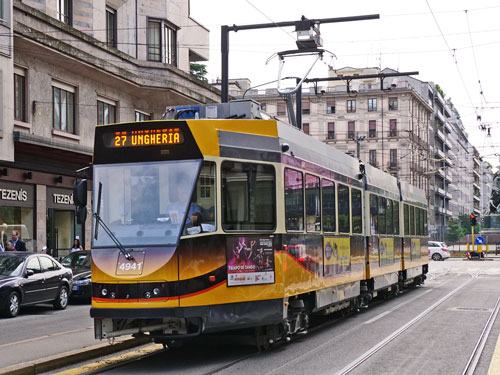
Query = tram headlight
x=156 y=291
x=104 y=292
x=147 y=295
x=112 y=295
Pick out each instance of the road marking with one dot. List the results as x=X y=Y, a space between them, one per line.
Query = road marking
x=381 y=315
x=495 y=361
x=92 y=367
x=44 y=337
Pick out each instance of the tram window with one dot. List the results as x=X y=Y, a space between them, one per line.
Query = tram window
x=422 y=225
x=390 y=228
x=373 y=214
x=313 y=204
x=294 y=200
x=248 y=196
x=328 y=200
x=357 y=221
x=425 y=223
x=382 y=207
x=395 y=216
x=412 y=220
x=417 y=221
x=407 y=220
x=203 y=202
x=343 y=199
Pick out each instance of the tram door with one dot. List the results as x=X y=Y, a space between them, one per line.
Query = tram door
x=61 y=231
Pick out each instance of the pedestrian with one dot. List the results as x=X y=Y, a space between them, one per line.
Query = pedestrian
x=10 y=246
x=76 y=245
x=18 y=244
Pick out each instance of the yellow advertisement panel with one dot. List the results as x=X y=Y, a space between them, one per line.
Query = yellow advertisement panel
x=415 y=248
x=386 y=247
x=337 y=255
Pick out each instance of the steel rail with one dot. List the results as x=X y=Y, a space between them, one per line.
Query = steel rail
x=471 y=365
x=365 y=356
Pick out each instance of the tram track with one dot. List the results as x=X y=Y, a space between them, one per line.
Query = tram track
x=473 y=361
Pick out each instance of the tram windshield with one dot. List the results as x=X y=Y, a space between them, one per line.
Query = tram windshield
x=144 y=203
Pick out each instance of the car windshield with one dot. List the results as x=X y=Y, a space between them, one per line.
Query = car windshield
x=77 y=259
x=11 y=265
x=144 y=203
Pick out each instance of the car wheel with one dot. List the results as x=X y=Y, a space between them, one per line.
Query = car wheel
x=61 y=301
x=13 y=304
x=436 y=256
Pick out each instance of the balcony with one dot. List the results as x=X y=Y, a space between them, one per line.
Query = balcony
x=441 y=192
x=440 y=116
x=476 y=186
x=393 y=164
x=441 y=173
x=439 y=154
x=447 y=127
x=440 y=135
x=476 y=160
x=449 y=178
x=476 y=198
x=476 y=173
x=449 y=212
x=447 y=143
x=449 y=196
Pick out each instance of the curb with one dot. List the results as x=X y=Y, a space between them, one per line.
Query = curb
x=65 y=359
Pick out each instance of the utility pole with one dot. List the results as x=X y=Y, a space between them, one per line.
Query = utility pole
x=358 y=141
x=225 y=40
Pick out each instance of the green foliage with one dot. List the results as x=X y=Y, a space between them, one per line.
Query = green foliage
x=199 y=71
x=464 y=222
x=454 y=231
x=440 y=90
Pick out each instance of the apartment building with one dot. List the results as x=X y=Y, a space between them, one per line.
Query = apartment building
x=68 y=65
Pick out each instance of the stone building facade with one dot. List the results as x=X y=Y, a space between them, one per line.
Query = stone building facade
x=69 y=66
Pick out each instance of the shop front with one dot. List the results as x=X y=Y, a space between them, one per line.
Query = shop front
x=17 y=212
x=62 y=228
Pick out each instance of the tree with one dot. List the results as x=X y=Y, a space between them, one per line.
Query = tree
x=440 y=90
x=199 y=71
x=454 y=231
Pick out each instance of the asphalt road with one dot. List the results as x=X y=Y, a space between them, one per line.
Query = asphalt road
x=439 y=343
x=40 y=331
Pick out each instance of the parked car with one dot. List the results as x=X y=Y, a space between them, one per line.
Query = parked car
x=438 y=250
x=31 y=278
x=79 y=262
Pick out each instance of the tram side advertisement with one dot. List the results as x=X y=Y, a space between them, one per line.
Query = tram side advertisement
x=250 y=260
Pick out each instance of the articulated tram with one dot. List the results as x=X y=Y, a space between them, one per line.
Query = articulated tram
x=209 y=225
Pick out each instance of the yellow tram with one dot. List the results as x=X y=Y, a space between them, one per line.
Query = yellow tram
x=206 y=225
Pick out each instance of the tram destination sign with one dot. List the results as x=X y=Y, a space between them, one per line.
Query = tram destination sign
x=143 y=138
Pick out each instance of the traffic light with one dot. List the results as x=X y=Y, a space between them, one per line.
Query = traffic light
x=473 y=220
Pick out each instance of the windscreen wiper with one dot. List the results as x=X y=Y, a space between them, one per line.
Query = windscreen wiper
x=98 y=220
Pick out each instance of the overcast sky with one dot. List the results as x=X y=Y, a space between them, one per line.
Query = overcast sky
x=453 y=43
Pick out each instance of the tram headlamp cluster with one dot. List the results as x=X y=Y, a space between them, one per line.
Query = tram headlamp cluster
x=104 y=292
x=147 y=295
x=112 y=295
x=156 y=291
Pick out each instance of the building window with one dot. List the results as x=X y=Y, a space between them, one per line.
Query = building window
x=106 y=111
x=281 y=109
x=393 y=160
x=64 y=11
x=351 y=106
x=141 y=116
x=64 y=107
x=331 y=130
x=19 y=94
x=393 y=104
x=393 y=128
x=305 y=127
x=351 y=129
x=162 y=42
x=263 y=106
x=330 y=106
x=306 y=108
x=111 y=31
x=373 y=157
x=372 y=129
x=372 y=104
